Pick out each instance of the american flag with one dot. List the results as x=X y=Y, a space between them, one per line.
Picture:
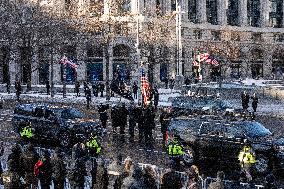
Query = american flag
x=145 y=88
x=212 y=60
x=195 y=63
x=67 y=62
x=204 y=56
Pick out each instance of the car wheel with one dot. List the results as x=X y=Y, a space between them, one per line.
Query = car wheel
x=188 y=156
x=261 y=165
x=65 y=139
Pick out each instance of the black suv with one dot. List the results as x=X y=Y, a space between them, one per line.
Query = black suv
x=64 y=125
x=209 y=139
x=187 y=105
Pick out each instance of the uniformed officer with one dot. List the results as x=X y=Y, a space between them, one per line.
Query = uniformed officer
x=175 y=151
x=93 y=146
x=247 y=159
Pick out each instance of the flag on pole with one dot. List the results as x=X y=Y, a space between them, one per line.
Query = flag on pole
x=212 y=60
x=67 y=62
x=204 y=56
x=145 y=88
x=195 y=63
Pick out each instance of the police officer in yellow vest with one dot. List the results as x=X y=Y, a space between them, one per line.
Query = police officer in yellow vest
x=247 y=159
x=26 y=131
x=93 y=146
x=175 y=151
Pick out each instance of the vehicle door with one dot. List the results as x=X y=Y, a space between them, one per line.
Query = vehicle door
x=210 y=141
x=37 y=121
x=50 y=124
x=233 y=143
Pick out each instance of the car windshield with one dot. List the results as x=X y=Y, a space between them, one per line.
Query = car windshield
x=255 y=130
x=71 y=113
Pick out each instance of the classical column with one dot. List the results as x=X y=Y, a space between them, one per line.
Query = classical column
x=56 y=67
x=264 y=13
x=34 y=66
x=267 y=63
x=13 y=63
x=201 y=11
x=82 y=56
x=243 y=13
x=221 y=13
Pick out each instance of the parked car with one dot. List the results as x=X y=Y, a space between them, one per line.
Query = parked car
x=64 y=125
x=187 y=105
x=213 y=139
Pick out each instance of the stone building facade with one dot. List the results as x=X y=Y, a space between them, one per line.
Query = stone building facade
x=245 y=36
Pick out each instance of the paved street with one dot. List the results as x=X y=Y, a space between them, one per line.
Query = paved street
x=114 y=144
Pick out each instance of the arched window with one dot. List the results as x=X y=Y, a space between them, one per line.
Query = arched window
x=233 y=12
x=192 y=11
x=253 y=9
x=4 y=66
x=211 y=11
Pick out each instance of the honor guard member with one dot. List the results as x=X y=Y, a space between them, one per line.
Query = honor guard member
x=93 y=146
x=175 y=151
x=247 y=159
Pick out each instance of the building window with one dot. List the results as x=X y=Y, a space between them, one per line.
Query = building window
x=279 y=37
x=197 y=34
x=43 y=69
x=173 y=5
x=158 y=8
x=216 y=35
x=164 y=72
x=211 y=10
x=232 y=13
x=96 y=7
x=4 y=66
x=235 y=36
x=276 y=14
x=253 y=8
x=192 y=11
x=123 y=6
x=256 y=37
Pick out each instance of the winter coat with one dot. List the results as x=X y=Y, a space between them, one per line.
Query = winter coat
x=58 y=168
x=171 y=180
x=45 y=171
x=216 y=185
x=29 y=159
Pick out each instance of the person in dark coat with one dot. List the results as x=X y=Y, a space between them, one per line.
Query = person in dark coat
x=140 y=120
x=166 y=82
x=245 y=100
x=58 y=169
x=114 y=118
x=132 y=121
x=254 y=102
x=172 y=83
x=18 y=88
x=164 y=120
x=135 y=90
x=88 y=97
x=95 y=88
x=102 y=109
x=86 y=87
x=29 y=159
x=77 y=88
x=77 y=174
x=149 y=122
x=123 y=112
x=47 y=85
x=101 y=179
x=11 y=179
x=45 y=172
x=171 y=180
x=156 y=97
x=102 y=88
x=15 y=164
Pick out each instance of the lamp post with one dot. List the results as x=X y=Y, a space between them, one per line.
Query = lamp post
x=179 y=75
